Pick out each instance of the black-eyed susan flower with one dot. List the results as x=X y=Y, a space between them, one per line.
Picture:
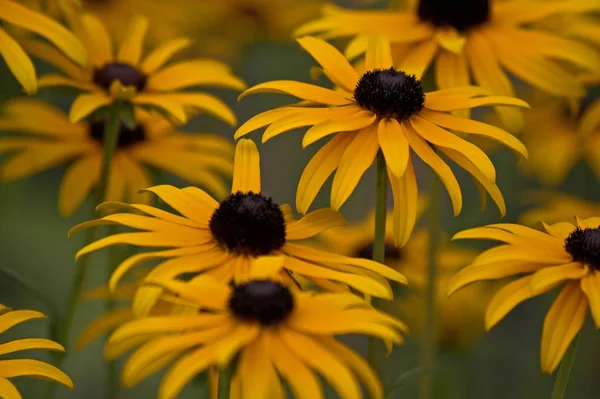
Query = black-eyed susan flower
x=483 y=40
x=17 y=59
x=226 y=26
x=274 y=331
x=125 y=75
x=384 y=109
x=565 y=255
x=12 y=367
x=49 y=139
x=553 y=207
x=459 y=318
x=221 y=239
x=558 y=137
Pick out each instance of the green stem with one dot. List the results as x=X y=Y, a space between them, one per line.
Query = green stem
x=429 y=344
x=60 y=334
x=376 y=353
x=225 y=380
x=564 y=371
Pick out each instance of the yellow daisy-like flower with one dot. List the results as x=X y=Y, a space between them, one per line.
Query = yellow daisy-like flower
x=275 y=332
x=226 y=26
x=565 y=254
x=15 y=57
x=384 y=109
x=10 y=368
x=482 y=39
x=51 y=140
x=553 y=207
x=459 y=318
x=558 y=138
x=222 y=239
x=125 y=75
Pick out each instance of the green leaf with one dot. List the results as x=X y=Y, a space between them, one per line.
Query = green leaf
x=127 y=114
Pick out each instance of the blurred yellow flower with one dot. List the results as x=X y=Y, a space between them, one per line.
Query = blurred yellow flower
x=49 y=139
x=145 y=82
x=274 y=332
x=387 y=110
x=221 y=239
x=558 y=137
x=553 y=207
x=460 y=318
x=564 y=255
x=15 y=57
x=477 y=39
x=11 y=367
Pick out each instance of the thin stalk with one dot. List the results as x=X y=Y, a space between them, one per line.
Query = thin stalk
x=564 y=371
x=60 y=334
x=225 y=377
x=376 y=353
x=429 y=344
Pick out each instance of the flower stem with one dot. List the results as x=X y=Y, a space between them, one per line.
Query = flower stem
x=60 y=334
x=428 y=344
x=225 y=376
x=376 y=354
x=564 y=371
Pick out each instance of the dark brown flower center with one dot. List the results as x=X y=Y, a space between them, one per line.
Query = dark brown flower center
x=128 y=76
x=390 y=93
x=249 y=223
x=265 y=301
x=127 y=136
x=584 y=246
x=459 y=14
x=392 y=253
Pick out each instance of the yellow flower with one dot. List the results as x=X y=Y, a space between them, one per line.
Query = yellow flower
x=274 y=330
x=12 y=367
x=222 y=239
x=553 y=207
x=51 y=140
x=459 y=318
x=565 y=254
x=558 y=138
x=145 y=82
x=226 y=26
x=15 y=57
x=484 y=39
x=384 y=109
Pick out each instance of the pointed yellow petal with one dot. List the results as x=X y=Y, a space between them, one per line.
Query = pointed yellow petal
x=379 y=54
x=85 y=104
x=394 y=145
x=161 y=55
x=131 y=47
x=246 y=169
x=18 y=62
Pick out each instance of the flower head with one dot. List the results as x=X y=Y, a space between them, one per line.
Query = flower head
x=382 y=109
x=17 y=60
x=483 y=39
x=51 y=139
x=221 y=239
x=12 y=367
x=145 y=82
x=565 y=255
x=275 y=332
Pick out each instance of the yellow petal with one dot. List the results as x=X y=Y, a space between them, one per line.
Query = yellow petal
x=85 y=104
x=170 y=107
x=419 y=59
x=590 y=285
x=549 y=277
x=333 y=62
x=161 y=55
x=103 y=325
x=507 y=299
x=562 y=323
x=354 y=121
x=301 y=90
x=357 y=158
x=405 y=192
x=18 y=62
x=204 y=103
x=194 y=73
x=394 y=145
x=33 y=368
x=97 y=40
x=266 y=267
x=246 y=172
x=451 y=40
x=12 y=318
x=16 y=14
x=379 y=54
x=77 y=183
x=9 y=391
x=313 y=224
x=131 y=47
x=28 y=344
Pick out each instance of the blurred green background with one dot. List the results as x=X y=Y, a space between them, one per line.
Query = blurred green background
x=503 y=363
